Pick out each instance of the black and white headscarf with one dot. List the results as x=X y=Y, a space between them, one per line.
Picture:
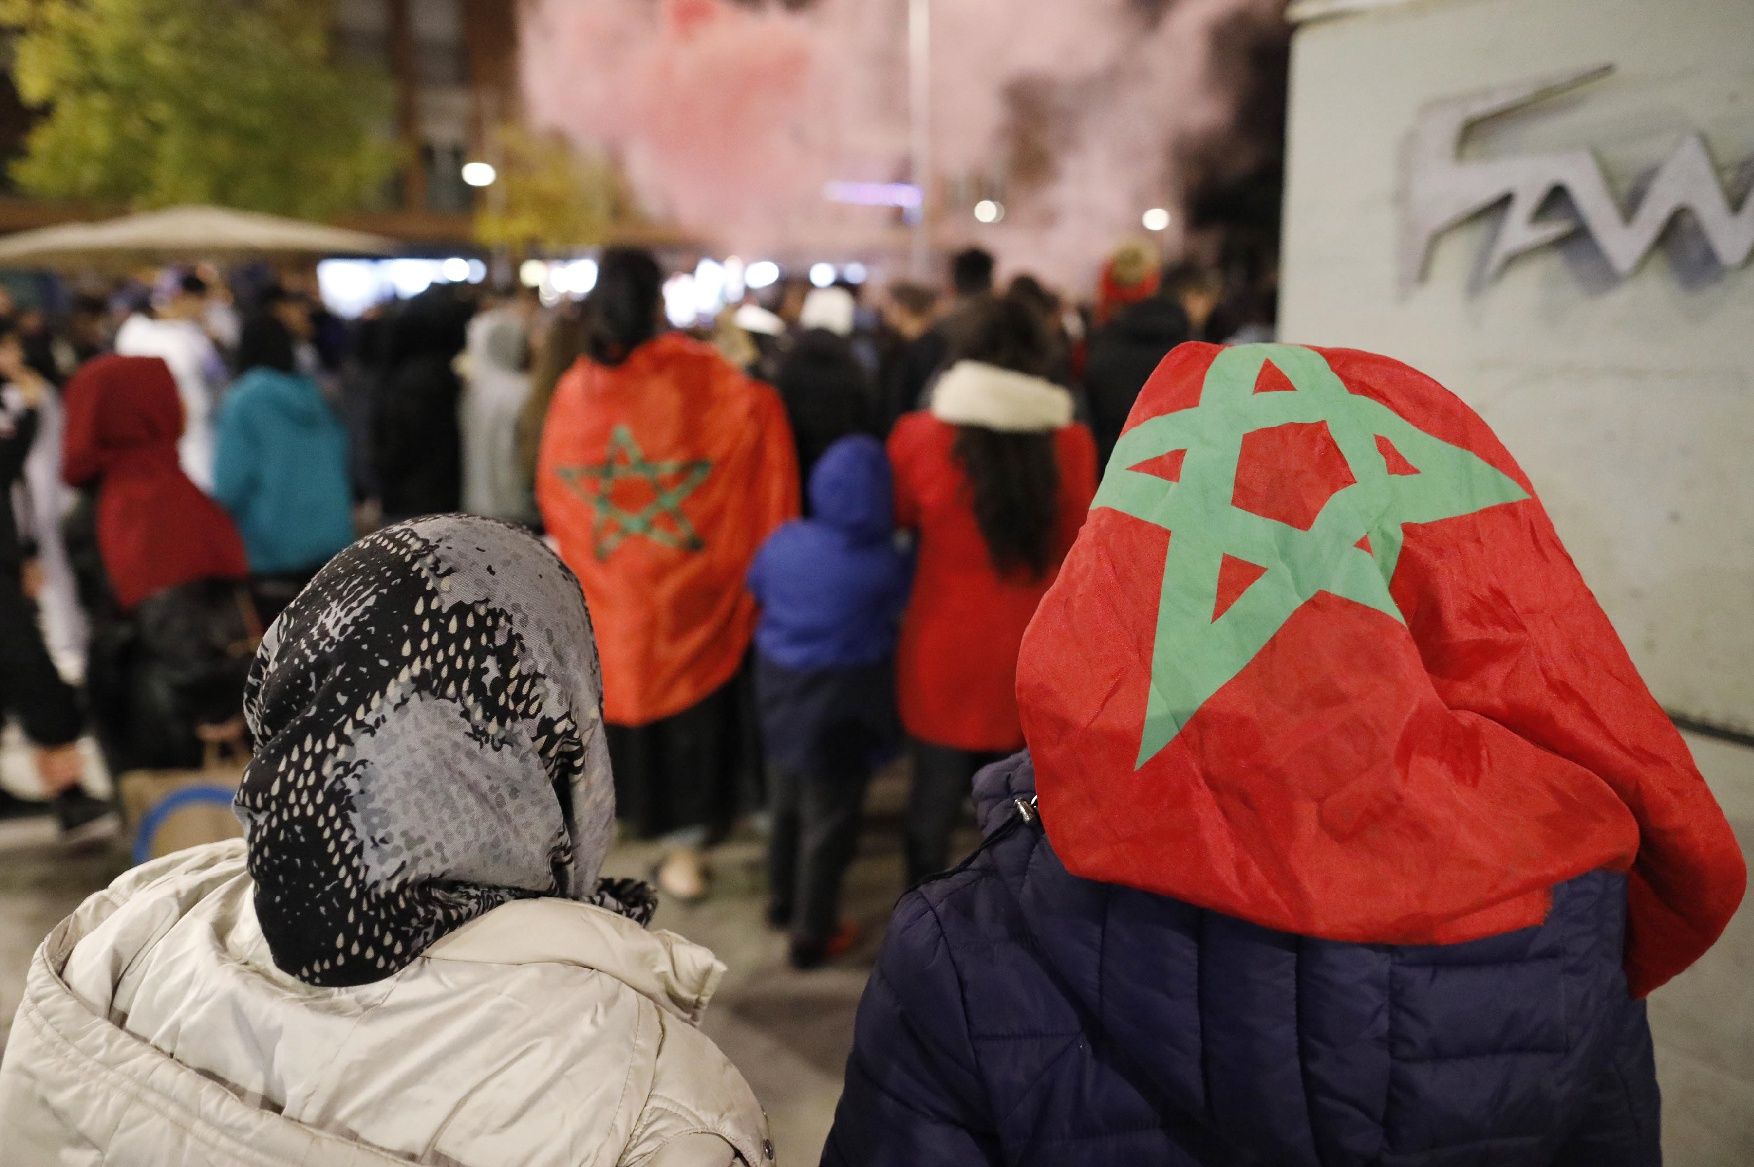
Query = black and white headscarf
x=427 y=718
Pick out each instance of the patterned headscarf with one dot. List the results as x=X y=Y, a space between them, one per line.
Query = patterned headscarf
x=427 y=717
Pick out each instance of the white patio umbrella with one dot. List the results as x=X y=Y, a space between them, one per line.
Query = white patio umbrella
x=185 y=234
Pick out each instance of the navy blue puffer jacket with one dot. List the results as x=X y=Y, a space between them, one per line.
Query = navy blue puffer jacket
x=1021 y=1015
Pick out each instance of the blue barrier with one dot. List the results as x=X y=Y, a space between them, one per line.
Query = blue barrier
x=177 y=800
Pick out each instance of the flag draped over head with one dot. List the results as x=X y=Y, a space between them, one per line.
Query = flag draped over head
x=660 y=478
x=1318 y=660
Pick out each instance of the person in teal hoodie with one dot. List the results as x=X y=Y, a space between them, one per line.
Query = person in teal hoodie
x=280 y=467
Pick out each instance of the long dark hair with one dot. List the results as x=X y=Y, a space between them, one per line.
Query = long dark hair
x=622 y=311
x=1014 y=478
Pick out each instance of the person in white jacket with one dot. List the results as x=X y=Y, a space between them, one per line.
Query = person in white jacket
x=496 y=384
x=178 y=336
x=411 y=957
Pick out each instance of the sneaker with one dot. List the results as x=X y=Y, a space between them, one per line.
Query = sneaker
x=683 y=876
x=75 y=810
x=807 y=954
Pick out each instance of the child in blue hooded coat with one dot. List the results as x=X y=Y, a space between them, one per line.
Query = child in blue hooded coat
x=832 y=589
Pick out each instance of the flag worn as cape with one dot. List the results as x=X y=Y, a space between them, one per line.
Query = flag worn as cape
x=659 y=478
x=1319 y=661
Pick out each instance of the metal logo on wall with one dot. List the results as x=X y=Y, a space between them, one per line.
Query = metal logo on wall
x=1441 y=192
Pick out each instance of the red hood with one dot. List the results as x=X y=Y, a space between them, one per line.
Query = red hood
x=1335 y=674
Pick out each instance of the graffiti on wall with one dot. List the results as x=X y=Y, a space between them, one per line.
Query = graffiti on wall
x=1440 y=191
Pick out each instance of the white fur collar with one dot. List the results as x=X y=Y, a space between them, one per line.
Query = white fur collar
x=972 y=393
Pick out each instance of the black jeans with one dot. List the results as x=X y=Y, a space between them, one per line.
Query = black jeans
x=30 y=689
x=814 y=834
x=688 y=770
x=943 y=784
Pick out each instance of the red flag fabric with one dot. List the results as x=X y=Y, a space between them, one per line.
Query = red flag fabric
x=659 y=478
x=1318 y=660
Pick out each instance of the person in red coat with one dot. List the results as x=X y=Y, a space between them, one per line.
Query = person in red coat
x=161 y=567
x=994 y=481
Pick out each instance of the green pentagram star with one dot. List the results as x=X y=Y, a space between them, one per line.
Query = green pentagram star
x=610 y=524
x=1194 y=654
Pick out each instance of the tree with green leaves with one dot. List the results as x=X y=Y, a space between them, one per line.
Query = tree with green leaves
x=551 y=197
x=237 y=102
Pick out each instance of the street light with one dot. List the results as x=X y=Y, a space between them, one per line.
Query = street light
x=479 y=173
x=1157 y=219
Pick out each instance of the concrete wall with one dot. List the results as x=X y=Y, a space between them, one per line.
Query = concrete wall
x=1631 y=404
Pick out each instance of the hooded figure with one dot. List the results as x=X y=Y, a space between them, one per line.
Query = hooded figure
x=495 y=392
x=198 y=372
x=155 y=528
x=831 y=588
x=411 y=955
x=1357 y=839
x=159 y=567
x=281 y=464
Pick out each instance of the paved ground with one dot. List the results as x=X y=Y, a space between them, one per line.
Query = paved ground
x=790 y=1031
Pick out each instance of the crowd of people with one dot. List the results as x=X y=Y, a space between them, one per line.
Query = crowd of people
x=293 y=432
x=1385 y=875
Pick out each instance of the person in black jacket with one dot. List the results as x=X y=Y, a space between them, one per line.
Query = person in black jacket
x=1123 y=355
x=828 y=392
x=971 y=280
x=415 y=434
x=908 y=351
x=31 y=688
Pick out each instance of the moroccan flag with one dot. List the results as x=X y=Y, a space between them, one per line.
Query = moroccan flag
x=1319 y=661
x=659 y=478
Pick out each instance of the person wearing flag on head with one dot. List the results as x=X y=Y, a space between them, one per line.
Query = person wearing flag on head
x=1347 y=832
x=662 y=469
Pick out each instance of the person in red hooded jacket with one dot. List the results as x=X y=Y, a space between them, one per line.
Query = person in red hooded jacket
x=159 y=571
x=994 y=480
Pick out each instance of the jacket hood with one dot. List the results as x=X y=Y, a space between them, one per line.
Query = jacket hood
x=134 y=415
x=851 y=489
x=293 y=397
x=976 y=394
x=1350 y=685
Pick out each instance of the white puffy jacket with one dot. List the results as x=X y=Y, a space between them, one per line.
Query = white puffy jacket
x=155 y=1029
